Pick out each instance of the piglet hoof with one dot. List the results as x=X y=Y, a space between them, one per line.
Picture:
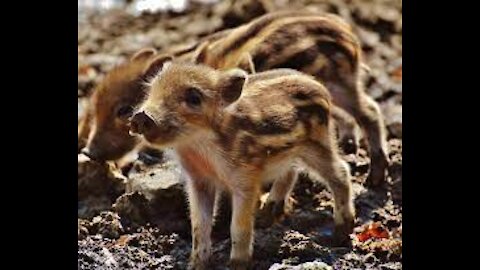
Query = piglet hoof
x=349 y=145
x=237 y=264
x=341 y=237
x=269 y=214
x=377 y=174
x=272 y=212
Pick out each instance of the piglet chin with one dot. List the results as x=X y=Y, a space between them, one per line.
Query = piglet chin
x=161 y=141
x=147 y=137
x=134 y=134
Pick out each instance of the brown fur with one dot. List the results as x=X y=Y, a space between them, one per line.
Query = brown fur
x=322 y=46
x=108 y=136
x=243 y=130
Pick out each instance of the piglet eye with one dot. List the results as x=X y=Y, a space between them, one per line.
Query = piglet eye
x=193 y=97
x=124 y=111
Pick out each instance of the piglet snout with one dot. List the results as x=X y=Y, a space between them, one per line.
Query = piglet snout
x=141 y=123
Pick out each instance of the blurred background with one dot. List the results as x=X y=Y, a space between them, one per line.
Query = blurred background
x=119 y=231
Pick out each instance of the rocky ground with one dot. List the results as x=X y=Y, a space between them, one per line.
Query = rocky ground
x=138 y=218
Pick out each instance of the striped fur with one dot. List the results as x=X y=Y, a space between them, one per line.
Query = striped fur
x=280 y=119
x=320 y=45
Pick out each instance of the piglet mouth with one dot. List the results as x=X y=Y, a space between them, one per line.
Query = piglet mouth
x=150 y=136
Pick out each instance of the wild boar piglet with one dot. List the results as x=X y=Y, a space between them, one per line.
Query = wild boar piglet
x=231 y=131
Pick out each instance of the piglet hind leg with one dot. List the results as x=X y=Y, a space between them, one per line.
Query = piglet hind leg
x=372 y=121
x=244 y=204
x=201 y=196
x=349 y=133
x=278 y=203
x=351 y=97
x=325 y=161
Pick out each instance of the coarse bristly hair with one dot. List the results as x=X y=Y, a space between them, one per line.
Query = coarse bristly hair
x=267 y=125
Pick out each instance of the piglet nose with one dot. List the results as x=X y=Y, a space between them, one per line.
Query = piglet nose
x=141 y=123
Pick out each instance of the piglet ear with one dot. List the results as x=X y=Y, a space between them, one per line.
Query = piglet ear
x=156 y=65
x=143 y=54
x=246 y=63
x=200 y=56
x=233 y=82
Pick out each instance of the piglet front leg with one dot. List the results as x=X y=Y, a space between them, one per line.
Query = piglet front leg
x=244 y=204
x=201 y=195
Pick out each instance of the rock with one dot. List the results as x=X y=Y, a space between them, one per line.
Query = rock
x=396 y=41
x=161 y=180
x=109 y=259
x=83 y=229
x=370 y=258
x=391 y=266
x=133 y=207
x=91 y=256
x=315 y=265
x=395 y=168
x=91 y=206
x=395 y=148
x=107 y=224
x=296 y=244
x=98 y=179
x=99 y=184
x=156 y=195
x=369 y=39
x=101 y=59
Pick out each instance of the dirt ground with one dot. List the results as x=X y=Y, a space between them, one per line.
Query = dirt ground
x=139 y=219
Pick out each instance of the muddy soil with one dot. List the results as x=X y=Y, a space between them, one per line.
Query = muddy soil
x=139 y=219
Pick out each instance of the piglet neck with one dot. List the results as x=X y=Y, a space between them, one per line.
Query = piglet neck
x=218 y=121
